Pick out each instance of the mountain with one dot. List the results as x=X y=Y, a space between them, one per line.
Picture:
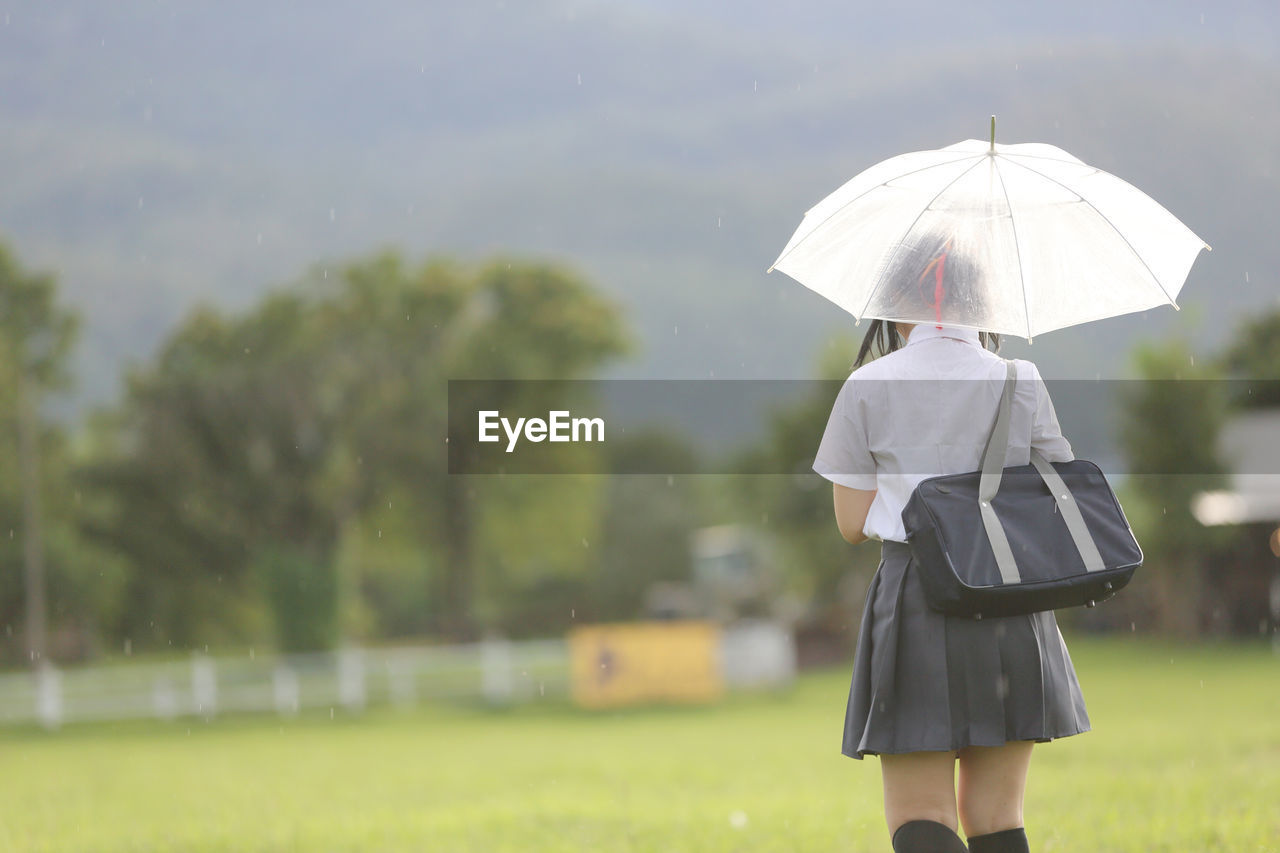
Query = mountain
x=159 y=153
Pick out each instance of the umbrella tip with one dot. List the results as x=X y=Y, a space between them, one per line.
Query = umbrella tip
x=769 y=270
x=993 y=134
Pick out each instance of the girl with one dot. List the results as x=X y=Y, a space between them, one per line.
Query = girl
x=930 y=691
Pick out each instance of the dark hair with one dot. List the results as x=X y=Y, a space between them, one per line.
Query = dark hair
x=883 y=337
x=923 y=277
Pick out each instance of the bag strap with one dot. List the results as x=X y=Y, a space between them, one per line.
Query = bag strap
x=1070 y=513
x=989 y=484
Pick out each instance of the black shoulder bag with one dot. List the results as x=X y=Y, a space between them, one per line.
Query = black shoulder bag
x=1004 y=541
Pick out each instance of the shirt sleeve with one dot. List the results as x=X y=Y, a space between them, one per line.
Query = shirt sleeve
x=1046 y=435
x=843 y=456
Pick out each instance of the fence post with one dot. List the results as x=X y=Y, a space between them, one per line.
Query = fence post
x=401 y=676
x=164 y=700
x=284 y=687
x=351 y=686
x=204 y=686
x=48 y=695
x=495 y=669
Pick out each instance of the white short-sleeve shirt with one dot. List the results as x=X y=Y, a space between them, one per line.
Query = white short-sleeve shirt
x=927 y=409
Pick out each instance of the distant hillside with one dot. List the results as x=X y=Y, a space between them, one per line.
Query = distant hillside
x=158 y=154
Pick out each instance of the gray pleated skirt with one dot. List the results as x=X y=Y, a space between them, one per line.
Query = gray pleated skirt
x=924 y=681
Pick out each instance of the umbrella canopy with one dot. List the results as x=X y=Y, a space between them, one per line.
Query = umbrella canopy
x=1017 y=239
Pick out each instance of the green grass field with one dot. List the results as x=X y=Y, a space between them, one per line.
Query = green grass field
x=1184 y=756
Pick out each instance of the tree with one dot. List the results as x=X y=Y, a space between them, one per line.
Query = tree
x=519 y=322
x=1254 y=354
x=796 y=504
x=36 y=336
x=1170 y=421
x=649 y=519
x=257 y=451
x=218 y=455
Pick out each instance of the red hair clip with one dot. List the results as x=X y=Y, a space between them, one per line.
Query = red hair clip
x=938 y=267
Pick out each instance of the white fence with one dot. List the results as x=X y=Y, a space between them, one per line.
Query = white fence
x=753 y=654
x=348 y=680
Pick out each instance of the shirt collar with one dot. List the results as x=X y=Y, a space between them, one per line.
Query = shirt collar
x=926 y=331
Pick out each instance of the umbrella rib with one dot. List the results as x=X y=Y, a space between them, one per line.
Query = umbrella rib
x=860 y=195
x=1013 y=223
x=1107 y=220
x=1070 y=161
x=898 y=244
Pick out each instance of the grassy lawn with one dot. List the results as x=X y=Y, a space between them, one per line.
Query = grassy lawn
x=1184 y=756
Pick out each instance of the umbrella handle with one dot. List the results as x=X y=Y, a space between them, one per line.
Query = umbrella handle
x=993 y=134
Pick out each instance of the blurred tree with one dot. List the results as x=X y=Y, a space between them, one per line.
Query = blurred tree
x=649 y=519
x=1254 y=353
x=263 y=449
x=520 y=322
x=54 y=584
x=218 y=453
x=796 y=507
x=1170 y=420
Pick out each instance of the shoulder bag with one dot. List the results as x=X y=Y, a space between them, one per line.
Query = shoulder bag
x=1005 y=541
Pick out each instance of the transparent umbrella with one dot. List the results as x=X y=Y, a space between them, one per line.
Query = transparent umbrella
x=1017 y=239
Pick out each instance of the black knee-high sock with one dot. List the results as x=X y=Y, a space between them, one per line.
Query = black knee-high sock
x=1005 y=841
x=926 y=836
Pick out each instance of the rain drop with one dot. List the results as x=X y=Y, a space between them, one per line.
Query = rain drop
x=585 y=544
x=259 y=238
x=738 y=819
x=333 y=214
x=579 y=79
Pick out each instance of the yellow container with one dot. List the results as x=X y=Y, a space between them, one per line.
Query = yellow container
x=643 y=662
